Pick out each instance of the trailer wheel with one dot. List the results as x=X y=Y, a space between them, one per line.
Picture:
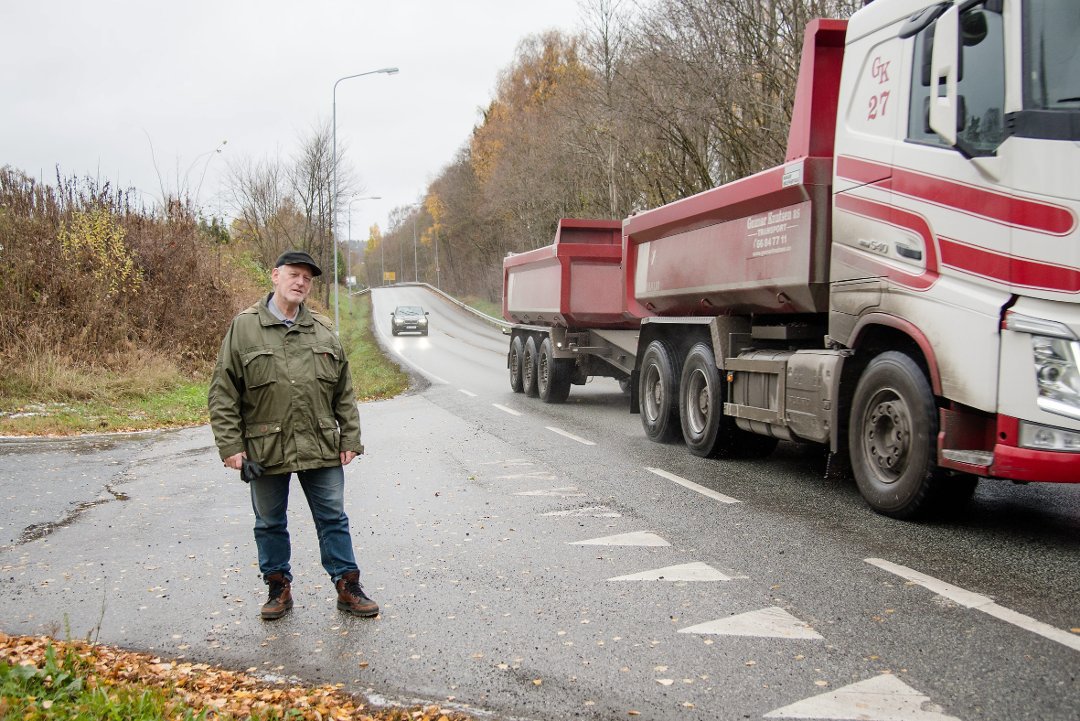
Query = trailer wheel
x=659 y=392
x=528 y=368
x=552 y=375
x=892 y=435
x=514 y=361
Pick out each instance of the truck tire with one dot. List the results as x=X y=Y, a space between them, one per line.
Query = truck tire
x=517 y=348
x=705 y=430
x=658 y=391
x=892 y=436
x=552 y=375
x=528 y=368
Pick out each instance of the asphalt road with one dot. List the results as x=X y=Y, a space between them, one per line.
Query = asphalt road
x=704 y=589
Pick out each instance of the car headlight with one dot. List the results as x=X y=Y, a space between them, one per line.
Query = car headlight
x=1057 y=373
x=423 y=321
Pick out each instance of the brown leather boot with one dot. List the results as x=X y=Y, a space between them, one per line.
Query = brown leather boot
x=351 y=597
x=280 y=600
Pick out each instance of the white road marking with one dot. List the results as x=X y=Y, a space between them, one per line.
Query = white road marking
x=539 y=475
x=422 y=371
x=772 y=622
x=504 y=409
x=587 y=512
x=470 y=394
x=882 y=698
x=979 y=602
x=635 y=538
x=509 y=462
x=697 y=571
x=564 y=492
x=569 y=435
x=693 y=486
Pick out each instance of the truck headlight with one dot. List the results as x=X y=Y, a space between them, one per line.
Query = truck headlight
x=1057 y=373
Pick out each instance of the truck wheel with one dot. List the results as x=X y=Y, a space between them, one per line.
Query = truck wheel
x=528 y=368
x=514 y=361
x=892 y=436
x=552 y=375
x=659 y=392
x=701 y=404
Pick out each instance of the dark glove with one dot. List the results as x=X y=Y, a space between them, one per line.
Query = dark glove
x=250 y=470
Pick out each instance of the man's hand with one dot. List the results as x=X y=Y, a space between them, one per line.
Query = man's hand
x=234 y=462
x=347 y=457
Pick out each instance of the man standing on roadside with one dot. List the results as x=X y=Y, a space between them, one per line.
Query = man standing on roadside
x=281 y=402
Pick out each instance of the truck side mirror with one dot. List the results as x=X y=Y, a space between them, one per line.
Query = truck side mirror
x=944 y=69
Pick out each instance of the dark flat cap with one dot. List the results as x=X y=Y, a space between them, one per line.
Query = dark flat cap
x=298 y=257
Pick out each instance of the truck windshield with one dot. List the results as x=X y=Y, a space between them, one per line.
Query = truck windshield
x=1051 y=55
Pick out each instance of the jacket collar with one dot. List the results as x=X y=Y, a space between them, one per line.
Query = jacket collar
x=304 y=322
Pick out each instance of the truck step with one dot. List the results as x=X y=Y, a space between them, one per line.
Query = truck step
x=972 y=458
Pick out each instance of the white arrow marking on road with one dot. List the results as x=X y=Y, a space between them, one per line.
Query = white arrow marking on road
x=470 y=394
x=636 y=538
x=686 y=572
x=969 y=599
x=693 y=486
x=569 y=435
x=587 y=512
x=564 y=492
x=770 y=622
x=504 y=409
x=539 y=475
x=883 y=698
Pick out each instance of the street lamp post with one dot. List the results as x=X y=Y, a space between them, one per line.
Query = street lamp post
x=415 y=211
x=333 y=198
x=348 y=258
x=438 y=284
x=206 y=165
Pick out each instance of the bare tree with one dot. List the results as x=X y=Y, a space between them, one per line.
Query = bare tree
x=257 y=194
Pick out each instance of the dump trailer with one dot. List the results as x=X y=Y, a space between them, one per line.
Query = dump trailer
x=904 y=289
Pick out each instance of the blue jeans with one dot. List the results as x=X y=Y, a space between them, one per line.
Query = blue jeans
x=325 y=492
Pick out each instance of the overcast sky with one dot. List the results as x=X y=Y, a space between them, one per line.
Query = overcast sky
x=93 y=86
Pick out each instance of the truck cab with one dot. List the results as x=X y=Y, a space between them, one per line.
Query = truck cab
x=956 y=197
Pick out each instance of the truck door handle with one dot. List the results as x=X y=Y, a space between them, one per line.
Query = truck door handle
x=905 y=251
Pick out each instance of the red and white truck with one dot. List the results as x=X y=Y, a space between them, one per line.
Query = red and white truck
x=905 y=288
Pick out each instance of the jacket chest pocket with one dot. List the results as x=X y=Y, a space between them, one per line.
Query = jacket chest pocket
x=327 y=363
x=258 y=367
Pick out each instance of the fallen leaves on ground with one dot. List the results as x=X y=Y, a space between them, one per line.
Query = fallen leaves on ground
x=218 y=691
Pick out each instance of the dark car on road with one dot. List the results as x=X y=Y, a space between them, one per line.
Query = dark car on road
x=409 y=318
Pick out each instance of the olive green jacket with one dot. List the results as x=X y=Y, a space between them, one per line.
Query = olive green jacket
x=283 y=393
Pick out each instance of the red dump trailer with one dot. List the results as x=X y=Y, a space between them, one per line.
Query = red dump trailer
x=903 y=289
x=569 y=295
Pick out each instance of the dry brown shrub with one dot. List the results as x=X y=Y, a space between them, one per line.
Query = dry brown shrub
x=133 y=289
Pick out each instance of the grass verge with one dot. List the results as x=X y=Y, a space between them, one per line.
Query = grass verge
x=46 y=396
x=42 y=679
x=483 y=305
x=374 y=375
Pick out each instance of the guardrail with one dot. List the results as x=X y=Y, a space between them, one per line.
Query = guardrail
x=497 y=322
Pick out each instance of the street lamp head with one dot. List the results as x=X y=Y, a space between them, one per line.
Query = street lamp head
x=388 y=71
